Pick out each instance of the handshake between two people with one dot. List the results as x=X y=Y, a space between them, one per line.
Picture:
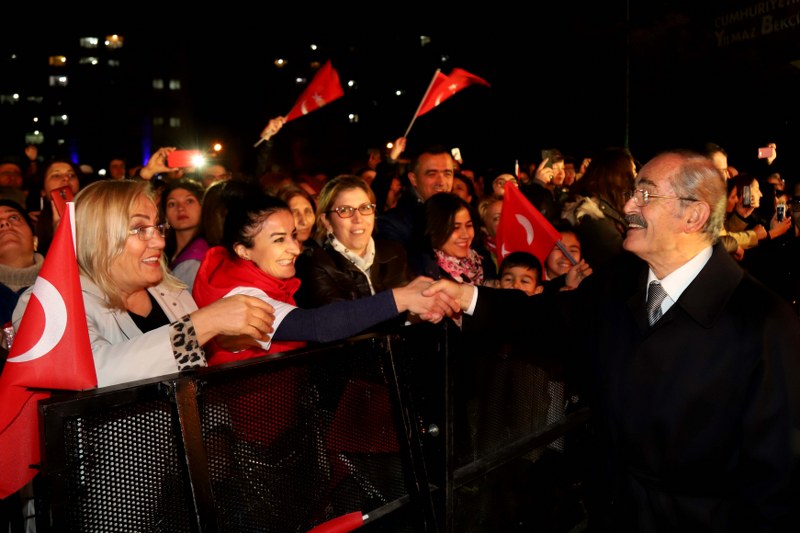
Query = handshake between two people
x=420 y=299
x=248 y=319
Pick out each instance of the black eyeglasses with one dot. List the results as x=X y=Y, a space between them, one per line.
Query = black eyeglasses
x=145 y=233
x=642 y=197
x=345 y=211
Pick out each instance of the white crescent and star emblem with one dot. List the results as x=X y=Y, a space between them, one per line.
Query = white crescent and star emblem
x=303 y=109
x=525 y=223
x=318 y=99
x=55 y=321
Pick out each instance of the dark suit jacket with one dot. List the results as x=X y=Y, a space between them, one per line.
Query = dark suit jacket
x=694 y=417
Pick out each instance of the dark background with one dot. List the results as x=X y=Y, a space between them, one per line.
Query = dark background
x=578 y=76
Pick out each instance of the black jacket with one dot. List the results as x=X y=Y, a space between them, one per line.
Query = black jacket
x=328 y=276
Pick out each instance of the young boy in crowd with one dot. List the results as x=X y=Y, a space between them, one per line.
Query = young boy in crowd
x=523 y=271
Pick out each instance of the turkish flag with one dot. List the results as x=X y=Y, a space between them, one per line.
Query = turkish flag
x=323 y=89
x=444 y=87
x=522 y=227
x=51 y=350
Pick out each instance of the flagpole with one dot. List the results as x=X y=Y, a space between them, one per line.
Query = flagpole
x=563 y=248
x=428 y=90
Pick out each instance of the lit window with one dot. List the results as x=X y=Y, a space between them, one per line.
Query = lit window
x=424 y=40
x=35 y=137
x=353 y=118
x=59 y=119
x=113 y=62
x=89 y=42
x=174 y=122
x=33 y=99
x=57 y=61
x=158 y=121
x=58 y=81
x=89 y=60
x=174 y=85
x=8 y=99
x=158 y=83
x=114 y=41
x=61 y=142
x=315 y=65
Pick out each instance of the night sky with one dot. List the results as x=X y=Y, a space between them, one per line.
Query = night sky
x=578 y=76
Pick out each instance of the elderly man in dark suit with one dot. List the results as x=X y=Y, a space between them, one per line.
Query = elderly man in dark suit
x=695 y=396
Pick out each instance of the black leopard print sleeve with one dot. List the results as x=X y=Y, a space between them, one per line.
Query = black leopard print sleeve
x=187 y=351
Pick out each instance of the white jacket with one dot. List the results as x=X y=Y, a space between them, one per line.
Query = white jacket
x=121 y=351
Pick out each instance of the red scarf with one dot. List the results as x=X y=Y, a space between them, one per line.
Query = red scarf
x=220 y=273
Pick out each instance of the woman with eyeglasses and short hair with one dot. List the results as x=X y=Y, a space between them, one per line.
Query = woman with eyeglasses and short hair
x=350 y=264
x=142 y=320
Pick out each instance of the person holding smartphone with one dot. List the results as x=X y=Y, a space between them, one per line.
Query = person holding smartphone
x=744 y=216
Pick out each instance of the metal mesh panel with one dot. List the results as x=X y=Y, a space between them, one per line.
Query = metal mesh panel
x=292 y=448
x=507 y=396
x=123 y=471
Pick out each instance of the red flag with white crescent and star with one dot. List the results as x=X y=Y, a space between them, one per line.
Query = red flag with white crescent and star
x=323 y=89
x=445 y=86
x=522 y=227
x=51 y=350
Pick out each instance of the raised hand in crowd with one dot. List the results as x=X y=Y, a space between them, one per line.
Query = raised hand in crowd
x=272 y=128
x=544 y=173
x=398 y=147
x=157 y=164
x=576 y=274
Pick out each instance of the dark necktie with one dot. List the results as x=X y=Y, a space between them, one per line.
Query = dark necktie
x=655 y=296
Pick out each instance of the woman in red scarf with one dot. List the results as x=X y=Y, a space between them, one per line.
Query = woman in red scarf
x=257 y=256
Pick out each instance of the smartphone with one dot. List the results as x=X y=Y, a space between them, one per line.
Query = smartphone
x=767 y=151
x=456 y=153
x=780 y=212
x=184 y=158
x=746 y=196
x=60 y=197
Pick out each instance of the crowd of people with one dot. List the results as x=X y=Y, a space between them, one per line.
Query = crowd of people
x=198 y=266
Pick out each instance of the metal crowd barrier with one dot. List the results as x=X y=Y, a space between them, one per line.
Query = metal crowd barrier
x=415 y=430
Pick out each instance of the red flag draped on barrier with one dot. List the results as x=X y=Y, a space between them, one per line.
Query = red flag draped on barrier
x=323 y=89
x=445 y=86
x=51 y=350
x=523 y=228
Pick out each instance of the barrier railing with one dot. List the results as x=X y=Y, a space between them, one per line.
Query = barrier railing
x=414 y=430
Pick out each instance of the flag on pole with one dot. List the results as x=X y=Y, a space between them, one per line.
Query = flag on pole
x=445 y=86
x=522 y=227
x=323 y=89
x=51 y=350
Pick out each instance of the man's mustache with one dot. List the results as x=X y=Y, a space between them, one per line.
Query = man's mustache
x=635 y=220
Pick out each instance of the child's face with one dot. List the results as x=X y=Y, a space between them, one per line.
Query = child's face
x=521 y=278
x=557 y=263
